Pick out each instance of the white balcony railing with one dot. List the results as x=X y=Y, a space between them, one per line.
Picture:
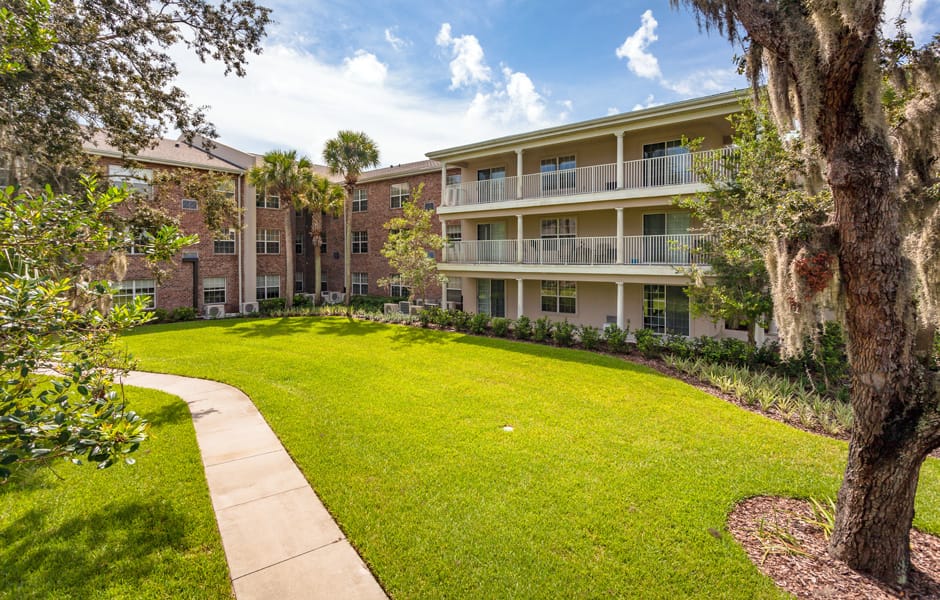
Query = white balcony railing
x=678 y=169
x=673 y=249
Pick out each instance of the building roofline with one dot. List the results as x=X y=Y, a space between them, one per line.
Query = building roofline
x=420 y=167
x=727 y=100
x=227 y=167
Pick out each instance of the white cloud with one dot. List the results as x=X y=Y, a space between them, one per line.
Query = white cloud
x=640 y=61
x=912 y=11
x=702 y=83
x=396 y=42
x=650 y=102
x=365 y=67
x=613 y=110
x=292 y=99
x=468 y=65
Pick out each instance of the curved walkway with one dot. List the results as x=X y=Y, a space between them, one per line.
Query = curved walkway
x=279 y=540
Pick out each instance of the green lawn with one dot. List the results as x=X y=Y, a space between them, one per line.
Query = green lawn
x=608 y=486
x=142 y=531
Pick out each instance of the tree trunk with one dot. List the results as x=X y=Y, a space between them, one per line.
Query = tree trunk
x=289 y=259
x=316 y=230
x=890 y=436
x=347 y=243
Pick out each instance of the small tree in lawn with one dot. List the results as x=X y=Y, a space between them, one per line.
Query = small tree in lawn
x=321 y=197
x=410 y=247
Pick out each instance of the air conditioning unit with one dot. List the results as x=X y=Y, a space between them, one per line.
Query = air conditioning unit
x=215 y=311
x=450 y=305
x=336 y=297
x=249 y=307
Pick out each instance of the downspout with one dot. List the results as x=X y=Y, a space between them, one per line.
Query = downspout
x=238 y=246
x=195 y=261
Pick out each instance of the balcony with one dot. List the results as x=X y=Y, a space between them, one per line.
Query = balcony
x=636 y=174
x=657 y=250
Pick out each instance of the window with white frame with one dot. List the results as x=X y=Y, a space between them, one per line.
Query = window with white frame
x=453 y=178
x=558 y=172
x=559 y=296
x=298 y=282
x=454 y=232
x=138 y=243
x=137 y=180
x=189 y=204
x=127 y=291
x=224 y=243
x=322 y=242
x=268 y=199
x=401 y=193
x=299 y=243
x=268 y=286
x=455 y=291
x=666 y=309
x=561 y=227
x=396 y=289
x=360 y=201
x=227 y=187
x=268 y=241
x=360 y=242
x=360 y=284
x=213 y=290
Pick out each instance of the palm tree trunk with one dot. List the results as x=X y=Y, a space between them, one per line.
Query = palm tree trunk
x=316 y=230
x=289 y=247
x=347 y=242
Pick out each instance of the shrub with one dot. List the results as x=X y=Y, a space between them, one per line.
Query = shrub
x=270 y=305
x=590 y=337
x=616 y=338
x=302 y=301
x=542 y=330
x=563 y=333
x=428 y=316
x=647 y=342
x=183 y=313
x=160 y=315
x=523 y=328
x=500 y=326
x=479 y=323
x=372 y=303
x=461 y=320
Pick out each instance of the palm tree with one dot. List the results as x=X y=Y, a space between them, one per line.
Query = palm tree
x=348 y=154
x=288 y=176
x=321 y=197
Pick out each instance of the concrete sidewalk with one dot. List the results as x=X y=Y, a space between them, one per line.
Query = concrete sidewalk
x=279 y=540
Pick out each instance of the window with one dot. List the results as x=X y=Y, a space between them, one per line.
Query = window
x=298 y=282
x=494 y=188
x=138 y=243
x=323 y=286
x=455 y=292
x=269 y=199
x=562 y=227
x=299 y=243
x=401 y=193
x=454 y=232
x=360 y=242
x=190 y=204
x=428 y=206
x=559 y=297
x=268 y=286
x=360 y=284
x=268 y=242
x=126 y=291
x=666 y=309
x=213 y=290
x=663 y=243
x=558 y=173
x=137 y=180
x=396 y=289
x=227 y=187
x=667 y=163
x=322 y=242
x=224 y=244
x=491 y=297
x=360 y=201
x=453 y=178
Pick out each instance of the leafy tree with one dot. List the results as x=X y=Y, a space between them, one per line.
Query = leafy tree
x=348 y=154
x=281 y=171
x=879 y=246
x=410 y=246
x=322 y=197
x=57 y=316
x=86 y=66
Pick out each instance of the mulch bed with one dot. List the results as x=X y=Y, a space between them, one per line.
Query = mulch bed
x=810 y=572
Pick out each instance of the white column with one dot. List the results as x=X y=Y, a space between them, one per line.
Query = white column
x=620 y=304
x=444 y=237
x=443 y=183
x=520 y=297
x=519 y=173
x=619 y=160
x=620 y=252
x=518 y=238
x=444 y=295
x=760 y=335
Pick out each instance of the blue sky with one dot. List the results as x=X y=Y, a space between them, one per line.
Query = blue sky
x=425 y=76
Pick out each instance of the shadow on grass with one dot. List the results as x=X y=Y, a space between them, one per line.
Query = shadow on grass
x=87 y=554
x=170 y=413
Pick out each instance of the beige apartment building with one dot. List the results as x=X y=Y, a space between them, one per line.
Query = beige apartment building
x=577 y=222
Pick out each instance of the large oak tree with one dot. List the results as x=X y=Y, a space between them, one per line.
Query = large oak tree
x=823 y=63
